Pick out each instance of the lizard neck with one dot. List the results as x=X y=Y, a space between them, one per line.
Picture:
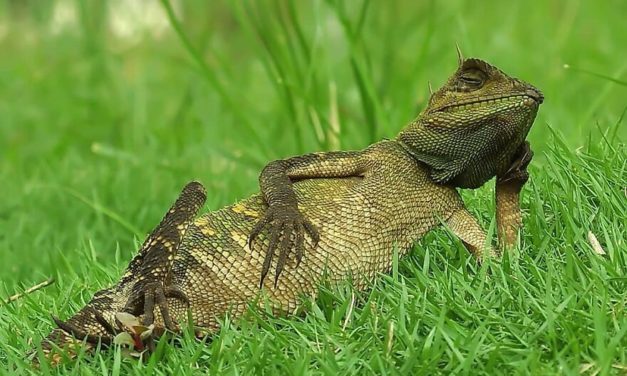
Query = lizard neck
x=408 y=149
x=411 y=152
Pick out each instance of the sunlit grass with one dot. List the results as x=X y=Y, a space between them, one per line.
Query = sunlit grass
x=101 y=124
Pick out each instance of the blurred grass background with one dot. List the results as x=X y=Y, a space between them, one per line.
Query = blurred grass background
x=108 y=108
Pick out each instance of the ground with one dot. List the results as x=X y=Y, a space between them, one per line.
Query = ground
x=108 y=110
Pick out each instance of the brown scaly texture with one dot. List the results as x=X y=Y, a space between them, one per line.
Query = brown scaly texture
x=332 y=216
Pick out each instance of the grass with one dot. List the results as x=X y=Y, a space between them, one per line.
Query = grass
x=107 y=110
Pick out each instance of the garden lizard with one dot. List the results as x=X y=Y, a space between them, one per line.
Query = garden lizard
x=332 y=216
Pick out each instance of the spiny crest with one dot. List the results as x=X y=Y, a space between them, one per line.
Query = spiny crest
x=460 y=57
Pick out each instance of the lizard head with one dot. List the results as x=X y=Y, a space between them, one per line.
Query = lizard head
x=473 y=125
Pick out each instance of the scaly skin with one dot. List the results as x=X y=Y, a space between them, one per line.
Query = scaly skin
x=327 y=216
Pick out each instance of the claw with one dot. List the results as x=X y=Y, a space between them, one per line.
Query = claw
x=175 y=292
x=149 y=306
x=274 y=239
x=162 y=302
x=286 y=224
x=300 y=244
x=155 y=295
x=285 y=246
x=258 y=228
x=518 y=168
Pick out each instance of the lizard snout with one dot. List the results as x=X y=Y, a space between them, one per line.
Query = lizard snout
x=535 y=94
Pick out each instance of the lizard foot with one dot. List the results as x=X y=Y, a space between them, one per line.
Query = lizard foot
x=154 y=294
x=517 y=172
x=287 y=224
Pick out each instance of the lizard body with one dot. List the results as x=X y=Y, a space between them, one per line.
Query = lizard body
x=327 y=216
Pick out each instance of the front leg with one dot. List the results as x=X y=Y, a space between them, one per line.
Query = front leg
x=465 y=226
x=283 y=220
x=507 y=194
x=508 y=217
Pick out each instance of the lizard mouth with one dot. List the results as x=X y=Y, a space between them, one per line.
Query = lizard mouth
x=535 y=94
x=530 y=97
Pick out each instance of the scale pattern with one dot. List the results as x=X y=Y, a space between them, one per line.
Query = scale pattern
x=361 y=220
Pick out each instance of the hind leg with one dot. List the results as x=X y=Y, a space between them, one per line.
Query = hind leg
x=144 y=286
x=152 y=266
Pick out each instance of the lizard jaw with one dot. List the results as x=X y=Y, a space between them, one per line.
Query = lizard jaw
x=531 y=97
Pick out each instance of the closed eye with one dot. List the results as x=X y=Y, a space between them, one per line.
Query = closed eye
x=471 y=81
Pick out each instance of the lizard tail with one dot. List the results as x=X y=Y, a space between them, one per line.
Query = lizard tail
x=94 y=324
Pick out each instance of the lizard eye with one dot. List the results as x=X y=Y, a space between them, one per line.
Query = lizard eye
x=474 y=81
x=471 y=80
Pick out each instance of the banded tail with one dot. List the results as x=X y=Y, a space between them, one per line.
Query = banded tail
x=96 y=323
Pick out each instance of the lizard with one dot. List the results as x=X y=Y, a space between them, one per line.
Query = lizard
x=335 y=216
